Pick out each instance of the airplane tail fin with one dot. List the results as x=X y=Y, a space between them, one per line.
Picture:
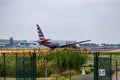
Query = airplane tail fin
x=40 y=34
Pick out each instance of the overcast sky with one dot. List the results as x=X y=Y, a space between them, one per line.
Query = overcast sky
x=97 y=20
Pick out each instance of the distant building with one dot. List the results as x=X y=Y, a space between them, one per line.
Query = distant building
x=111 y=45
x=88 y=44
x=17 y=43
x=28 y=44
x=11 y=42
x=4 y=42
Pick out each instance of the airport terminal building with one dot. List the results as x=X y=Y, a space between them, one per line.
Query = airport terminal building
x=10 y=42
x=16 y=43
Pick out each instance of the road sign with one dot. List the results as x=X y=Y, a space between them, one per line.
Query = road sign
x=101 y=72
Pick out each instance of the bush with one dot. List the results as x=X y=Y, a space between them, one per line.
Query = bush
x=69 y=59
x=58 y=62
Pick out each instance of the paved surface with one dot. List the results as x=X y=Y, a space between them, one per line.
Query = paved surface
x=86 y=77
x=90 y=77
x=114 y=76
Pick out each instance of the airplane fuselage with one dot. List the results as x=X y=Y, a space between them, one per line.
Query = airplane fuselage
x=57 y=43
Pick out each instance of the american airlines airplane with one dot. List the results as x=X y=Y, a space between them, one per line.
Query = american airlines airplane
x=55 y=43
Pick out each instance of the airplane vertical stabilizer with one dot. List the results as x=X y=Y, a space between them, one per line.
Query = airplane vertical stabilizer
x=40 y=33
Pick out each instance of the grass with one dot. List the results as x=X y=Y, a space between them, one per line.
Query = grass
x=115 y=56
x=28 y=79
x=89 y=64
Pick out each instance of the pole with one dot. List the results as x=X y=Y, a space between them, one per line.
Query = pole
x=96 y=66
x=70 y=72
x=4 y=67
x=33 y=66
x=45 y=63
x=16 y=68
x=116 y=71
x=110 y=66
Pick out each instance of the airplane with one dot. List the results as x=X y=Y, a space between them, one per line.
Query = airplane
x=55 y=43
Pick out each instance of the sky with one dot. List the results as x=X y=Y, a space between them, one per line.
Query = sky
x=97 y=20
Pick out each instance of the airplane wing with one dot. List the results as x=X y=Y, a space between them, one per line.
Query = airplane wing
x=75 y=43
x=82 y=41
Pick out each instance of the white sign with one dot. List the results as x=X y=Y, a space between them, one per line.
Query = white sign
x=101 y=72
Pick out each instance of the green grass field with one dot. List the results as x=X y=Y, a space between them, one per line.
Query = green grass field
x=56 y=71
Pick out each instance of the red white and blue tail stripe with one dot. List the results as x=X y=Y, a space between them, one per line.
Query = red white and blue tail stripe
x=40 y=34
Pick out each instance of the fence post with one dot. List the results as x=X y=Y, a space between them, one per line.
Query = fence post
x=96 y=66
x=116 y=71
x=16 y=66
x=33 y=65
x=45 y=64
x=34 y=55
x=111 y=66
x=4 y=67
